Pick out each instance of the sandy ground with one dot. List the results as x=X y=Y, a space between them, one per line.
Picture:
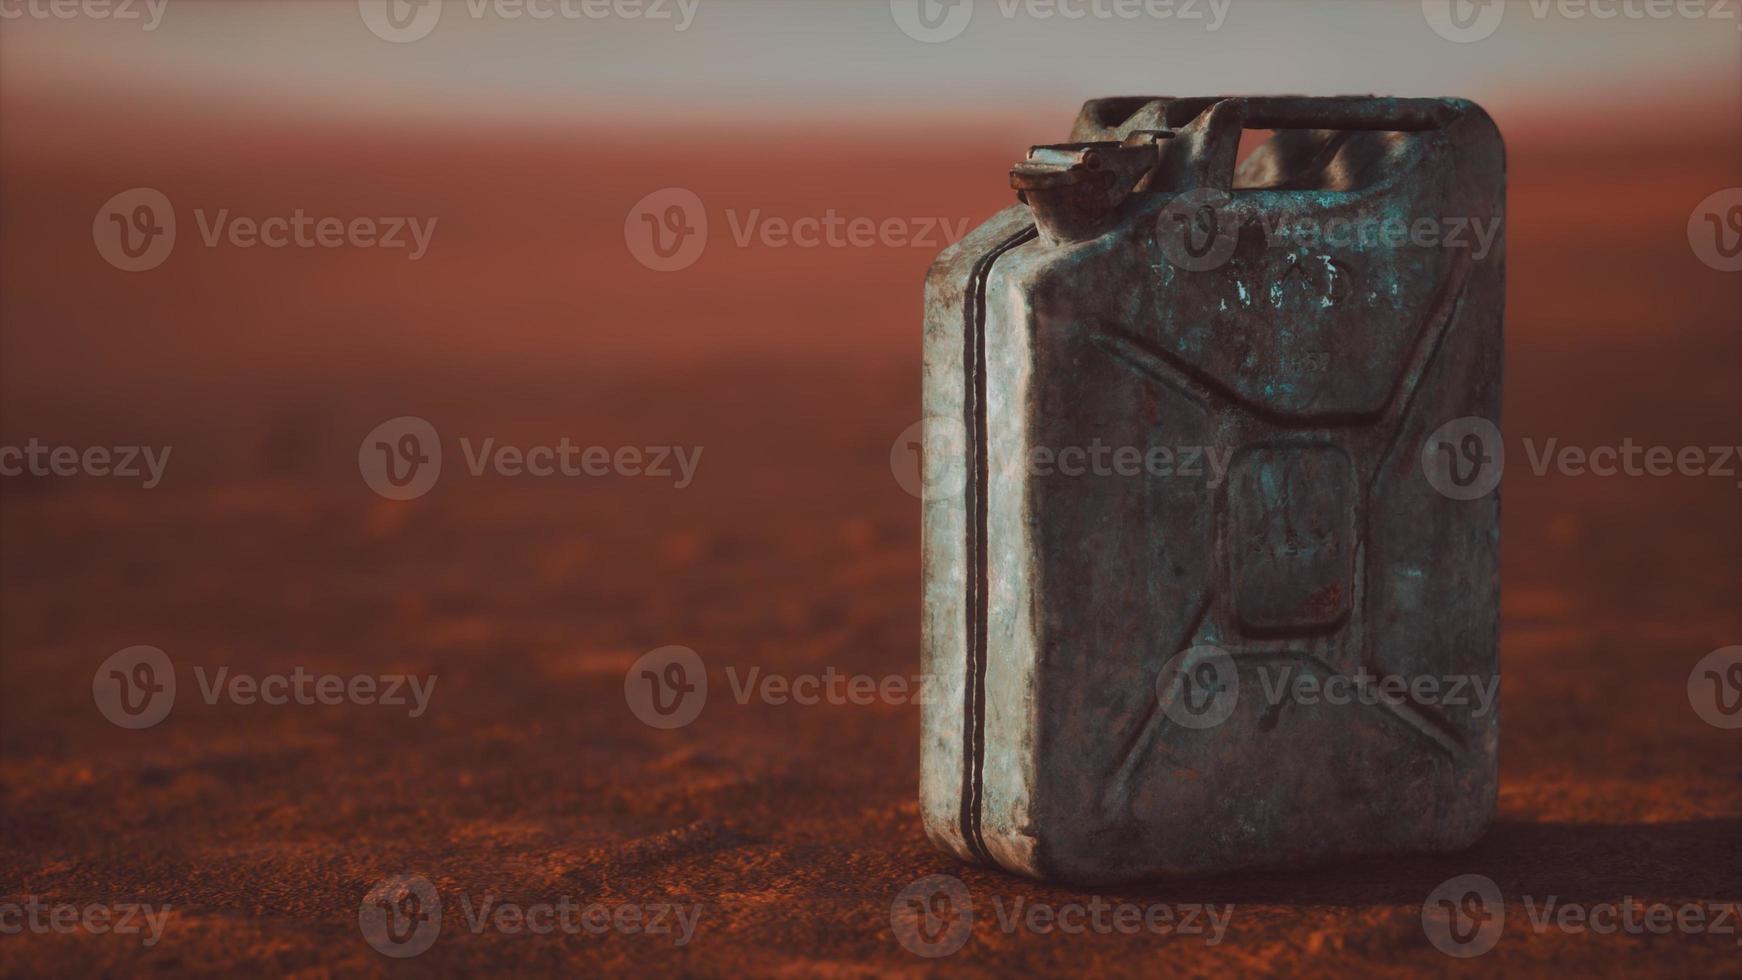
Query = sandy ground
x=795 y=550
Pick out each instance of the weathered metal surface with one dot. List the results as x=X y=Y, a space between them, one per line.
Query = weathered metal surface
x=1078 y=620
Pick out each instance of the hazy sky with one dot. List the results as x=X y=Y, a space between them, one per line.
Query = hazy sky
x=742 y=58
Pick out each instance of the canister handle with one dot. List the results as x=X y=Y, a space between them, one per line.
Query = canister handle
x=1330 y=112
x=1207 y=143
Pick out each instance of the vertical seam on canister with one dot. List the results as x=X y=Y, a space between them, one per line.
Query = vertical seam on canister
x=974 y=674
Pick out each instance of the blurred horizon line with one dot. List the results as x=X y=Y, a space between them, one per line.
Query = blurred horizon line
x=1689 y=122
x=849 y=64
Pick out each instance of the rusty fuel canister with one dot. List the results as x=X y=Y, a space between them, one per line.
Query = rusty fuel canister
x=1206 y=446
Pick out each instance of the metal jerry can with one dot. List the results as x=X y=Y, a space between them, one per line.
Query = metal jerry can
x=1211 y=523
